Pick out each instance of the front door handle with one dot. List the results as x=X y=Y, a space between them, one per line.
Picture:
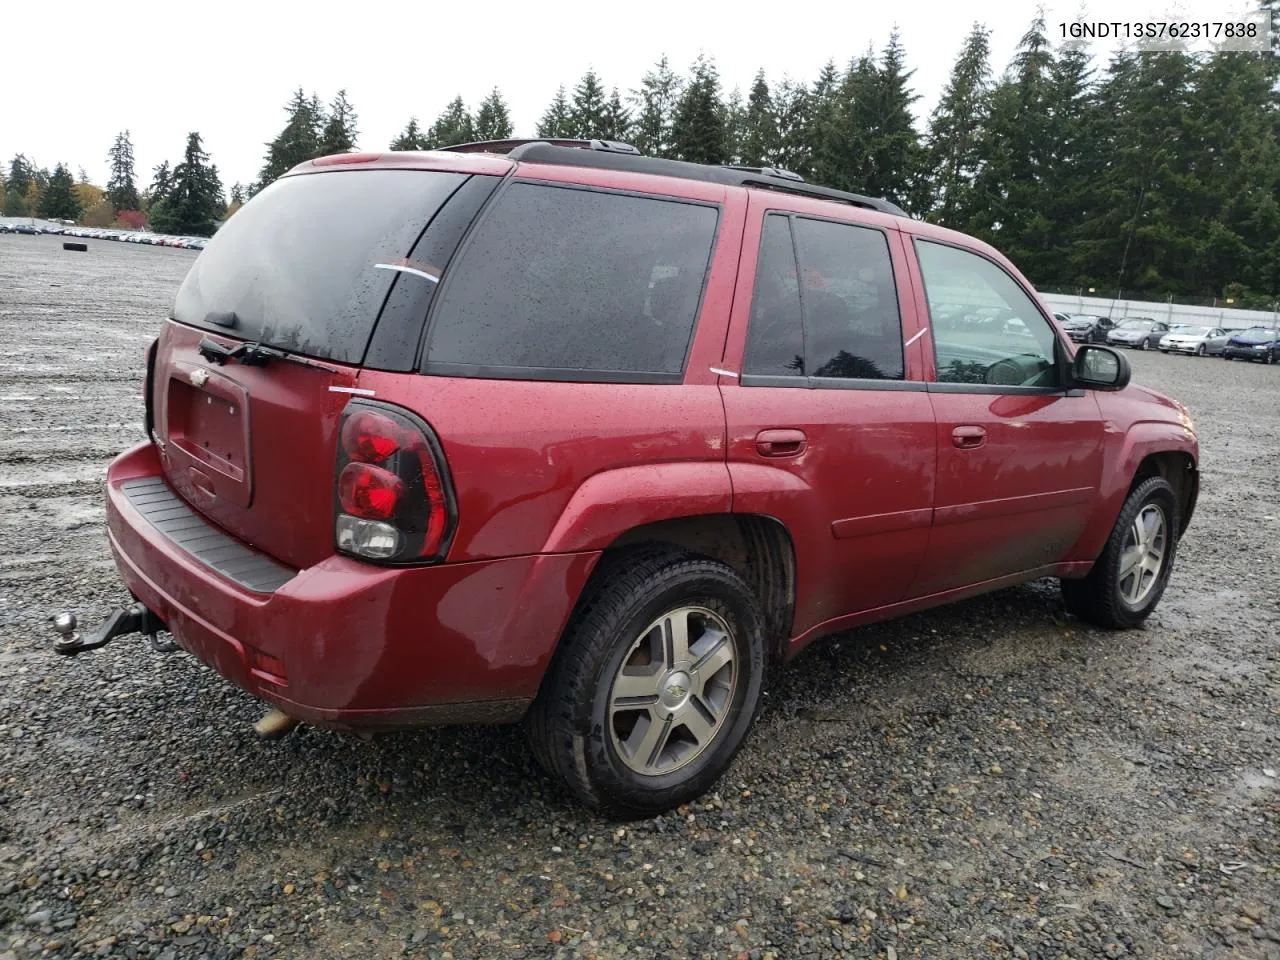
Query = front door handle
x=780 y=443
x=967 y=437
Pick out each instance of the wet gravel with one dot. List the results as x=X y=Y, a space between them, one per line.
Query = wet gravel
x=993 y=779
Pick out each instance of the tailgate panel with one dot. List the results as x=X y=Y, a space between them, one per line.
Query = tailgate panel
x=252 y=447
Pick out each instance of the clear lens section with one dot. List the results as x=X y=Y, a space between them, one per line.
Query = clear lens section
x=367 y=538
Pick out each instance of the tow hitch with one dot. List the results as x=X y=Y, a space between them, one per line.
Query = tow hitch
x=134 y=619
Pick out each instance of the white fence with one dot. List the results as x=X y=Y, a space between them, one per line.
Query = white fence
x=1226 y=317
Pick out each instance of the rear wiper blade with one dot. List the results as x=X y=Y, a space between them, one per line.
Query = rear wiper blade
x=254 y=355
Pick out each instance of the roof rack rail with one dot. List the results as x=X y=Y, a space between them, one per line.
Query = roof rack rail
x=506 y=146
x=767 y=171
x=573 y=153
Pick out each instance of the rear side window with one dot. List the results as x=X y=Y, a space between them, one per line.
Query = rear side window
x=836 y=317
x=775 y=340
x=574 y=284
x=306 y=264
x=851 y=323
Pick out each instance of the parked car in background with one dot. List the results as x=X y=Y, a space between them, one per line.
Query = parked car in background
x=1256 y=343
x=1087 y=328
x=429 y=500
x=1140 y=333
x=1190 y=338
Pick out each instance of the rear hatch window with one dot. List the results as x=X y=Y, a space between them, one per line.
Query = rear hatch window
x=567 y=283
x=307 y=264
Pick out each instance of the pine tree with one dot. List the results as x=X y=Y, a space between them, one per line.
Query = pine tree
x=493 y=120
x=1072 y=162
x=556 y=123
x=59 y=200
x=452 y=127
x=828 y=130
x=587 y=114
x=18 y=185
x=792 y=108
x=122 y=187
x=893 y=144
x=194 y=200
x=410 y=138
x=161 y=181
x=759 y=125
x=617 y=119
x=298 y=142
x=237 y=194
x=655 y=103
x=952 y=150
x=734 y=118
x=339 y=132
x=1014 y=152
x=697 y=132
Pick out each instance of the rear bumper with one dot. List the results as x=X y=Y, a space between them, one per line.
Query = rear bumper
x=351 y=645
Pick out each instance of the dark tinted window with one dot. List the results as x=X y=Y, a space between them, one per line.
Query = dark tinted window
x=395 y=342
x=574 y=283
x=775 y=341
x=298 y=266
x=851 y=323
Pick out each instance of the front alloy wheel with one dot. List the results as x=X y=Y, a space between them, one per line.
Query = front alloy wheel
x=1129 y=576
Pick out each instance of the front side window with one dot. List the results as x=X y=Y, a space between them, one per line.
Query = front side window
x=574 y=284
x=1002 y=339
x=825 y=304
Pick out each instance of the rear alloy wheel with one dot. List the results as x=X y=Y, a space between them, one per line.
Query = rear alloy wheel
x=655 y=684
x=1130 y=575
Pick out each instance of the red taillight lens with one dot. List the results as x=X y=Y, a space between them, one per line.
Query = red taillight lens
x=370 y=437
x=394 y=499
x=369 y=492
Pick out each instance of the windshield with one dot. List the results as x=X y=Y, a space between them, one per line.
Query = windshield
x=1134 y=325
x=1187 y=330
x=297 y=266
x=1257 y=334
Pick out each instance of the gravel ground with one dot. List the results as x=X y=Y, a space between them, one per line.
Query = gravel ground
x=991 y=779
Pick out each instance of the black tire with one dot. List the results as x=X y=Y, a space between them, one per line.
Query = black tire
x=1142 y=344
x=1097 y=597
x=569 y=726
x=1200 y=350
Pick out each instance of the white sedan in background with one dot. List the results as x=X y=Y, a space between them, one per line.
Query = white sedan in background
x=1189 y=338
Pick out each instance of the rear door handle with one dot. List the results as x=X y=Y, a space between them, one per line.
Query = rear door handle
x=780 y=443
x=967 y=437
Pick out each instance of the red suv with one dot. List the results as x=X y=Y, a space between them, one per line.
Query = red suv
x=558 y=433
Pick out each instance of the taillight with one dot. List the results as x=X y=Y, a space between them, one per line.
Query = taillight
x=393 y=498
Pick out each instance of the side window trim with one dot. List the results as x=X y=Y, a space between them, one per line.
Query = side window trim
x=507 y=372
x=1060 y=354
x=807 y=382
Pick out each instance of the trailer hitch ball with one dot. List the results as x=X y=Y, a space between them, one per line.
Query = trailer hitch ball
x=65 y=625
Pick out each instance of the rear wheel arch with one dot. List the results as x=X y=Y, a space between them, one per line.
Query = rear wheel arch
x=758 y=548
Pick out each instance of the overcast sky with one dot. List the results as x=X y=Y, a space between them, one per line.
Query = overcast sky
x=226 y=67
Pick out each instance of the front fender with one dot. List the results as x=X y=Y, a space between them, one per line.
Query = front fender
x=1120 y=465
x=610 y=503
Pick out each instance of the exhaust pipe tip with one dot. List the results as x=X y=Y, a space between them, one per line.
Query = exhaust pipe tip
x=275 y=724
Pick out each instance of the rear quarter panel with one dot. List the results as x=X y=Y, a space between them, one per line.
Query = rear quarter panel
x=541 y=466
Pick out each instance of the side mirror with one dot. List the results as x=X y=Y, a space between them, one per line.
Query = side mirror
x=1100 y=368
